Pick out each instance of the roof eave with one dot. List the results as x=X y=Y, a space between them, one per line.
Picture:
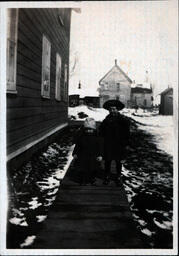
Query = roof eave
x=129 y=80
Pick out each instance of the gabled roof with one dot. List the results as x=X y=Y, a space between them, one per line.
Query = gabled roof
x=120 y=70
x=166 y=91
x=140 y=90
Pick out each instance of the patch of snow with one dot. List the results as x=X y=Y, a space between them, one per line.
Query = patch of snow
x=135 y=216
x=23 y=208
x=17 y=212
x=18 y=221
x=59 y=174
x=164 y=224
x=142 y=222
x=146 y=232
x=130 y=193
x=50 y=201
x=28 y=241
x=162 y=127
x=24 y=224
x=34 y=203
x=54 y=181
x=155 y=211
x=168 y=224
x=41 y=218
x=97 y=113
x=52 y=193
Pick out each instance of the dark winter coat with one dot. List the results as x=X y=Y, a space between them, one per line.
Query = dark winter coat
x=115 y=130
x=88 y=147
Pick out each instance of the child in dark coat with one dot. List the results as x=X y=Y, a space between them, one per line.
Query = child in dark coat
x=88 y=152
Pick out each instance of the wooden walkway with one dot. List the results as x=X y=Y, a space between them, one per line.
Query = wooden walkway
x=89 y=217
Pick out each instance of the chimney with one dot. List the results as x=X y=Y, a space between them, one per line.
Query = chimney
x=115 y=62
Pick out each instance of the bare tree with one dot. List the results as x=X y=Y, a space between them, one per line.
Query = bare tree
x=74 y=62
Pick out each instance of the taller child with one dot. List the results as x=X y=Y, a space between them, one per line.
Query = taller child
x=115 y=130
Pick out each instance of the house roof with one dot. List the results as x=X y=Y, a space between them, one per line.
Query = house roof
x=120 y=70
x=91 y=97
x=166 y=91
x=141 y=90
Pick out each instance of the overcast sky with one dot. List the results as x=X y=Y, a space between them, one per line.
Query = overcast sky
x=141 y=35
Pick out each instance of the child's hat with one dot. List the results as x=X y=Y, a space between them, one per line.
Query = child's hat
x=113 y=103
x=90 y=123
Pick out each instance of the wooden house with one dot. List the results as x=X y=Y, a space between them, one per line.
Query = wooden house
x=166 y=103
x=37 y=77
x=115 y=85
x=142 y=97
x=74 y=100
x=92 y=101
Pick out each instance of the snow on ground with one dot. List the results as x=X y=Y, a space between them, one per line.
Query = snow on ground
x=42 y=191
x=160 y=126
x=97 y=113
x=34 y=203
x=28 y=241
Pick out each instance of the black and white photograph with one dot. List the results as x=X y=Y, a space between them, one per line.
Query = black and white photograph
x=89 y=128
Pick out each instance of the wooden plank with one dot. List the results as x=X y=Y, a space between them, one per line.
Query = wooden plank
x=28 y=83
x=32 y=80
x=32 y=102
x=29 y=62
x=26 y=16
x=18 y=113
x=15 y=124
x=89 y=217
x=30 y=139
x=28 y=72
x=57 y=35
x=29 y=92
x=32 y=33
x=26 y=49
x=21 y=134
x=62 y=35
x=29 y=48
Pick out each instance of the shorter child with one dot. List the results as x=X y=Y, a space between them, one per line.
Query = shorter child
x=88 y=152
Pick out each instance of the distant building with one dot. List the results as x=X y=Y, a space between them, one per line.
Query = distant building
x=141 y=97
x=166 y=103
x=93 y=101
x=38 y=41
x=74 y=100
x=115 y=85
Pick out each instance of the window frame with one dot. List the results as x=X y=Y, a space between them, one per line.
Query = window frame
x=58 y=86
x=118 y=85
x=45 y=67
x=12 y=37
x=65 y=87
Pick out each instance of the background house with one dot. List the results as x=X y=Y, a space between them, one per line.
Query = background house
x=141 y=97
x=92 y=101
x=76 y=100
x=37 y=77
x=115 y=85
x=166 y=103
